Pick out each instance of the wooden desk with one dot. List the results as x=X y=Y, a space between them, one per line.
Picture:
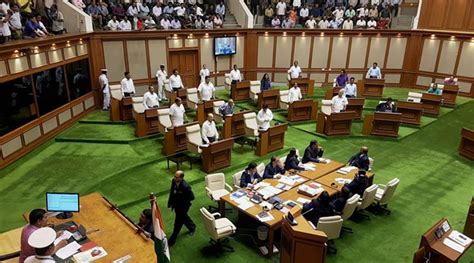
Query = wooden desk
x=306 y=85
x=466 y=146
x=175 y=140
x=301 y=242
x=469 y=226
x=370 y=88
x=204 y=108
x=116 y=235
x=411 y=112
x=440 y=252
x=431 y=104
x=121 y=110
x=321 y=169
x=270 y=98
x=182 y=93
x=329 y=179
x=382 y=124
x=240 y=91
x=357 y=106
x=338 y=123
x=234 y=125
x=302 y=110
x=11 y=243
x=449 y=95
x=217 y=155
x=271 y=140
x=146 y=123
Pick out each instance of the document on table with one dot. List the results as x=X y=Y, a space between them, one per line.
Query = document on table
x=302 y=200
x=460 y=238
x=297 y=178
x=86 y=256
x=261 y=184
x=283 y=187
x=264 y=216
x=65 y=236
x=343 y=181
x=453 y=245
x=346 y=170
x=286 y=180
x=245 y=204
x=325 y=160
x=69 y=250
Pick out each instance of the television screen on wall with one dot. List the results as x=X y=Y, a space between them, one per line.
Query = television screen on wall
x=225 y=46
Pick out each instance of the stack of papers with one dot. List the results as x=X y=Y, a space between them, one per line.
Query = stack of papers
x=264 y=216
x=238 y=194
x=268 y=191
x=283 y=187
x=346 y=170
x=324 y=159
x=308 y=166
x=69 y=250
x=65 y=236
x=297 y=178
x=311 y=190
x=90 y=255
x=244 y=203
x=343 y=181
x=453 y=245
x=260 y=185
x=302 y=200
x=287 y=180
x=460 y=238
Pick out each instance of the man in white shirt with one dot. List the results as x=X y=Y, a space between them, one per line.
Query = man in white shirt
x=209 y=132
x=351 y=89
x=206 y=89
x=161 y=76
x=180 y=10
x=175 y=81
x=264 y=117
x=338 y=13
x=304 y=14
x=374 y=72
x=132 y=10
x=175 y=23
x=157 y=10
x=104 y=85
x=295 y=70
x=276 y=22
x=203 y=73
x=165 y=23
x=127 y=86
x=220 y=9
x=125 y=25
x=348 y=24
x=177 y=113
x=150 y=99
x=311 y=23
x=235 y=75
x=294 y=93
x=324 y=23
x=361 y=23
x=281 y=9
x=113 y=24
x=339 y=102
x=371 y=24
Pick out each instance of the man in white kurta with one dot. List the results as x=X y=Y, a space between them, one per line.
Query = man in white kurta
x=177 y=113
x=295 y=70
x=161 y=75
x=264 y=118
x=206 y=89
x=150 y=99
x=339 y=102
x=235 y=75
x=209 y=132
x=127 y=86
x=175 y=81
x=104 y=85
x=203 y=73
x=294 y=94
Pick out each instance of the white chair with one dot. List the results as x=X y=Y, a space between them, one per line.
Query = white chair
x=261 y=169
x=227 y=82
x=193 y=134
x=219 y=229
x=284 y=99
x=326 y=107
x=216 y=187
x=116 y=92
x=348 y=210
x=138 y=107
x=254 y=89
x=415 y=96
x=217 y=115
x=192 y=98
x=251 y=126
x=334 y=83
x=236 y=179
x=164 y=120
x=384 y=195
x=331 y=226
x=166 y=85
x=367 y=199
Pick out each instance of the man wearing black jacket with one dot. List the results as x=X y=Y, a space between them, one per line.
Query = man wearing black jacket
x=361 y=159
x=312 y=153
x=359 y=183
x=180 y=199
x=273 y=168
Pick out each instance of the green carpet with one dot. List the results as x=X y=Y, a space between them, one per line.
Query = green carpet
x=435 y=182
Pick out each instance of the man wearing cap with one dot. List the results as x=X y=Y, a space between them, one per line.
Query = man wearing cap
x=104 y=85
x=42 y=240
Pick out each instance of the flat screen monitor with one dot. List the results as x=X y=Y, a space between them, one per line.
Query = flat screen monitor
x=62 y=202
x=225 y=46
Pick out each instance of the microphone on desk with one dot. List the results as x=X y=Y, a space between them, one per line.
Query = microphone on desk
x=291 y=219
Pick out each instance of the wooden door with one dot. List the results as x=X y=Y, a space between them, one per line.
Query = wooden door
x=188 y=66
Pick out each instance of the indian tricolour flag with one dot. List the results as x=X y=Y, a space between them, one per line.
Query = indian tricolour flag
x=161 y=243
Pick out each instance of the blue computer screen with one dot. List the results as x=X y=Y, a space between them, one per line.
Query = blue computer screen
x=62 y=202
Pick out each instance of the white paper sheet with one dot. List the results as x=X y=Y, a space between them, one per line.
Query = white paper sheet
x=302 y=200
x=65 y=236
x=69 y=250
x=453 y=245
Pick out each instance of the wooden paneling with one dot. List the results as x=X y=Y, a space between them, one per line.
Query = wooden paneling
x=114 y=59
x=301 y=50
x=378 y=47
x=466 y=65
x=283 y=54
x=358 y=52
x=321 y=52
x=340 y=46
x=136 y=58
x=448 y=55
x=429 y=54
x=397 y=47
x=447 y=15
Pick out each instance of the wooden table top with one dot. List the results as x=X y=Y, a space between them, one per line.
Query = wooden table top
x=10 y=241
x=330 y=178
x=115 y=234
x=321 y=169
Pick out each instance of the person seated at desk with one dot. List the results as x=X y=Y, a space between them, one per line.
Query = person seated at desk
x=294 y=94
x=350 y=90
x=209 y=131
x=317 y=208
x=273 y=168
x=386 y=106
x=374 y=72
x=265 y=83
x=150 y=99
x=227 y=108
x=177 y=113
x=145 y=222
x=359 y=183
x=292 y=162
x=360 y=159
x=206 y=89
x=434 y=89
x=37 y=219
x=127 y=86
x=451 y=81
x=312 y=153
x=42 y=241
x=264 y=118
x=295 y=71
x=175 y=81
x=250 y=175
x=337 y=205
x=235 y=75
x=342 y=79
x=339 y=102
